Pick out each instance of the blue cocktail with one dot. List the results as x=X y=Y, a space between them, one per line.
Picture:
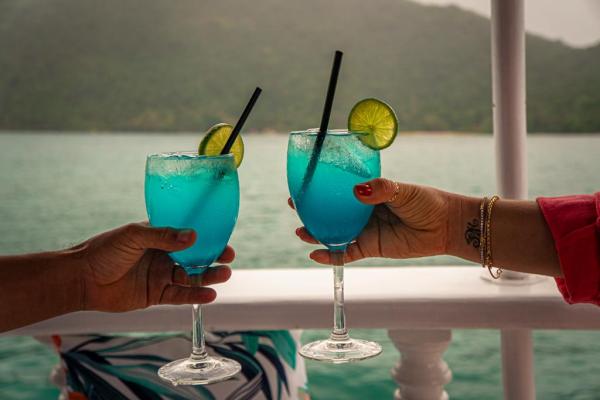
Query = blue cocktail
x=186 y=190
x=197 y=192
x=325 y=202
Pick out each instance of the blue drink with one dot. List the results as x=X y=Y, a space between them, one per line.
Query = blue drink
x=332 y=215
x=328 y=208
x=185 y=190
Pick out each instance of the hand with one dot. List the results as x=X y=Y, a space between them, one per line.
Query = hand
x=414 y=224
x=128 y=268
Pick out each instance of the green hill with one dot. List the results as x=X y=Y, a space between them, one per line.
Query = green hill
x=183 y=65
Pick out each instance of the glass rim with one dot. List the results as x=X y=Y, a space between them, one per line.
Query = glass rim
x=190 y=155
x=332 y=132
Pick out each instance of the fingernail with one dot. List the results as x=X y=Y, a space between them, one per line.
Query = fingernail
x=364 y=189
x=298 y=231
x=185 y=235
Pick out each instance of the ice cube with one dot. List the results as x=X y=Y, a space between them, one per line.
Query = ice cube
x=345 y=152
x=348 y=156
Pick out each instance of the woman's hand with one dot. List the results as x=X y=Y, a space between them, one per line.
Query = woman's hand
x=408 y=221
x=128 y=268
x=416 y=221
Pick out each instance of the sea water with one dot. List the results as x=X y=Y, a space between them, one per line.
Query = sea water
x=58 y=189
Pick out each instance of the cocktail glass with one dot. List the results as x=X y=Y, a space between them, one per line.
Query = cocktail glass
x=187 y=190
x=332 y=215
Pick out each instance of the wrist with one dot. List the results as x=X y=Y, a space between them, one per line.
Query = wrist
x=463 y=227
x=70 y=266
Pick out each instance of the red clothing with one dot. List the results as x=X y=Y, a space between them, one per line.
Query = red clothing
x=575 y=225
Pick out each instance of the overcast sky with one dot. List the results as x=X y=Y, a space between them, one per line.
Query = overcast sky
x=575 y=22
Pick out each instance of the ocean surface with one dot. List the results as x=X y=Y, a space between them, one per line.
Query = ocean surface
x=57 y=189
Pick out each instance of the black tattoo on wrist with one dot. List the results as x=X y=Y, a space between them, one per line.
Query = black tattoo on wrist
x=473 y=233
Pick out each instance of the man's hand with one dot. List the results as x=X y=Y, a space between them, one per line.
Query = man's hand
x=128 y=268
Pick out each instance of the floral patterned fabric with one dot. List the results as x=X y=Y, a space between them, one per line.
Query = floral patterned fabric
x=113 y=367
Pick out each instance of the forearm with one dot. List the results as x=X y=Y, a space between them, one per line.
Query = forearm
x=521 y=240
x=38 y=286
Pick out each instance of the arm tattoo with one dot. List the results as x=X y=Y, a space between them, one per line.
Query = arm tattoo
x=473 y=233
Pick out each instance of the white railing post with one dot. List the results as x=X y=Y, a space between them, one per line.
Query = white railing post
x=510 y=135
x=517 y=364
x=421 y=373
x=508 y=78
x=509 y=108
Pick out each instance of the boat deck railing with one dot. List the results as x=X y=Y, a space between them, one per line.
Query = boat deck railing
x=418 y=306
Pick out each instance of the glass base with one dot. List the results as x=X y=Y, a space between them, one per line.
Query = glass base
x=338 y=351
x=209 y=370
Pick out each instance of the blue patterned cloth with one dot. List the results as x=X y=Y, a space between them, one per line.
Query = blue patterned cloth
x=113 y=367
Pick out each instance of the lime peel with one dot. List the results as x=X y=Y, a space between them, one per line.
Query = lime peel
x=214 y=140
x=377 y=122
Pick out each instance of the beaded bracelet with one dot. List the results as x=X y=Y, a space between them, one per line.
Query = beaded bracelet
x=482 y=236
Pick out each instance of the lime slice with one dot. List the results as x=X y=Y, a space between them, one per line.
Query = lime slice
x=215 y=139
x=376 y=120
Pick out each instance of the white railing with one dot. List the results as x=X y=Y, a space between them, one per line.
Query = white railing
x=417 y=305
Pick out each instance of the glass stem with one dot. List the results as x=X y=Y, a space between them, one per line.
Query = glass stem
x=198 y=351
x=339 y=318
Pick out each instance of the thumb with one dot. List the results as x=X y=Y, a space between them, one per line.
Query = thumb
x=383 y=191
x=144 y=237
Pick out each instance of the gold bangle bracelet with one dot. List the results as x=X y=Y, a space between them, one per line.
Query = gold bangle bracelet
x=488 y=259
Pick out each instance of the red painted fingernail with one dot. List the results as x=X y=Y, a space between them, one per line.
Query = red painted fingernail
x=364 y=189
x=298 y=230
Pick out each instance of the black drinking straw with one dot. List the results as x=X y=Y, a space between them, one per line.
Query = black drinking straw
x=314 y=157
x=231 y=139
x=238 y=126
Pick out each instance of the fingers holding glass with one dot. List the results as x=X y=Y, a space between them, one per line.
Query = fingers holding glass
x=227 y=256
x=303 y=234
x=175 y=294
x=212 y=276
x=353 y=253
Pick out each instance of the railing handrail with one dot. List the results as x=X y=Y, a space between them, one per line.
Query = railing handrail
x=377 y=297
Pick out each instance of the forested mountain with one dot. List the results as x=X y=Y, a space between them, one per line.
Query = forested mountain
x=114 y=65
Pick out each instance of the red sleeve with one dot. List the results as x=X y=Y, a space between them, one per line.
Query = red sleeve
x=575 y=225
